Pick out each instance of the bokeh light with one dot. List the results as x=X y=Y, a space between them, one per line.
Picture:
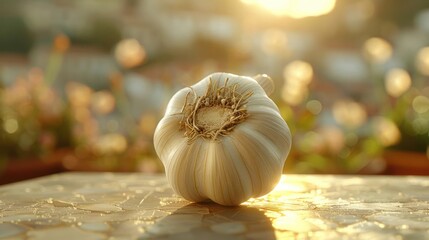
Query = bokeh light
x=420 y=104
x=81 y=114
x=422 y=61
x=365 y=8
x=61 y=43
x=311 y=142
x=349 y=113
x=274 y=42
x=314 y=106
x=148 y=165
x=295 y=8
x=297 y=76
x=386 y=131
x=103 y=102
x=293 y=94
x=420 y=125
x=112 y=143
x=333 y=138
x=148 y=123
x=10 y=125
x=397 y=82
x=130 y=53
x=97 y=85
x=377 y=50
x=298 y=72
x=78 y=94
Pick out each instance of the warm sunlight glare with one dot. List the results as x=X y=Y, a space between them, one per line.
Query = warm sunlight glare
x=274 y=42
x=294 y=220
x=295 y=8
x=287 y=187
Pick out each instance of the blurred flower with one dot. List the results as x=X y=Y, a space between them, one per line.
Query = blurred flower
x=274 y=42
x=103 y=102
x=35 y=76
x=295 y=8
x=397 y=82
x=32 y=117
x=377 y=50
x=78 y=94
x=129 y=53
x=148 y=123
x=420 y=104
x=349 y=113
x=86 y=130
x=49 y=104
x=110 y=144
x=422 y=61
x=61 y=43
x=17 y=93
x=386 y=131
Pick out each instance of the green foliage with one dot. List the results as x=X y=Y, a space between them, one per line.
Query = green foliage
x=15 y=37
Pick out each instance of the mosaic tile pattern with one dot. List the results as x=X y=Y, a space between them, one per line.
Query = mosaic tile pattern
x=137 y=206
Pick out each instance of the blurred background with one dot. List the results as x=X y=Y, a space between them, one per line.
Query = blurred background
x=84 y=83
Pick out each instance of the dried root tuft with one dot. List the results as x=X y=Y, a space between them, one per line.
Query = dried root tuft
x=217 y=98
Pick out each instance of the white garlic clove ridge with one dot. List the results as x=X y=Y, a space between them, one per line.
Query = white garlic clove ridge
x=223 y=140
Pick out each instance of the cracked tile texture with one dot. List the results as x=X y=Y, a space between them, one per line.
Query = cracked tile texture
x=138 y=206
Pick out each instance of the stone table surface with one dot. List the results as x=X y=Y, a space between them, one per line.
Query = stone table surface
x=139 y=206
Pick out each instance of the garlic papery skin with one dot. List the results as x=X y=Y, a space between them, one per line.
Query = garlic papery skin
x=223 y=139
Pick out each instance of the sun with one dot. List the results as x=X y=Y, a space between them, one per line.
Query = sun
x=294 y=8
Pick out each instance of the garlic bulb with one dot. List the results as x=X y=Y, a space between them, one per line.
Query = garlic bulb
x=223 y=139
